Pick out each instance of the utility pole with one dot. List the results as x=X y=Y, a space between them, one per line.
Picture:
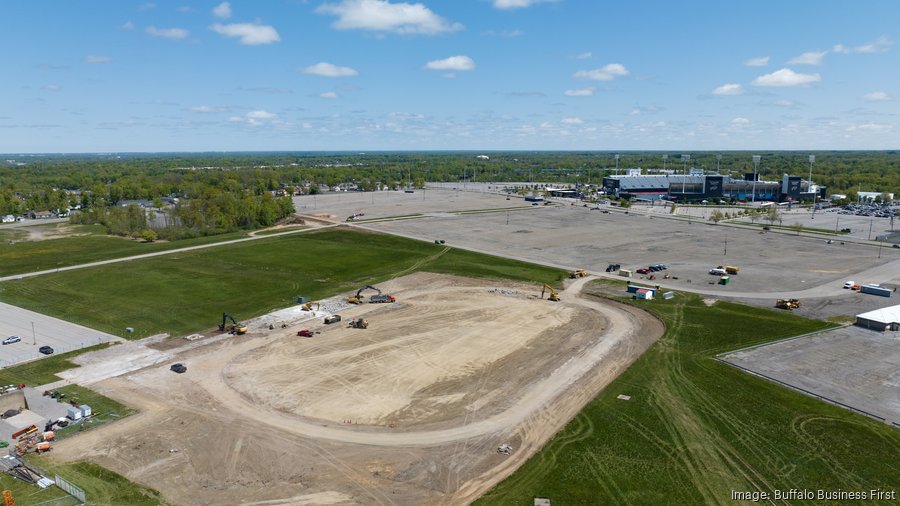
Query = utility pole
x=33 y=335
x=870 y=228
x=756 y=159
x=718 y=162
x=665 y=159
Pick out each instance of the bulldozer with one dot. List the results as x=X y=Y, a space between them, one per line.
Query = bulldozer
x=787 y=303
x=309 y=306
x=357 y=299
x=235 y=327
x=359 y=323
x=578 y=273
x=553 y=295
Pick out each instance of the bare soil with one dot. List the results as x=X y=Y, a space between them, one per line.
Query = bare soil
x=408 y=411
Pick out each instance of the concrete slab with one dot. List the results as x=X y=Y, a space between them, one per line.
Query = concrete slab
x=851 y=366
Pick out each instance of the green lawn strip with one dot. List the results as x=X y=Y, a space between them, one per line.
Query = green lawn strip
x=696 y=428
x=793 y=229
x=285 y=230
x=101 y=486
x=30 y=256
x=43 y=371
x=186 y=292
x=390 y=218
x=27 y=494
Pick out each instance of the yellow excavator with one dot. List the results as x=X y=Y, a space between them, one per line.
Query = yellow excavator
x=553 y=295
x=787 y=304
x=357 y=299
x=359 y=324
x=235 y=327
x=309 y=306
x=578 y=273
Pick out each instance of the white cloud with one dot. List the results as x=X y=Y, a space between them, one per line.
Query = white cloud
x=729 y=89
x=256 y=118
x=206 y=109
x=872 y=127
x=326 y=69
x=459 y=62
x=581 y=92
x=786 y=77
x=878 y=46
x=876 y=96
x=607 y=73
x=250 y=34
x=384 y=16
x=808 y=58
x=167 y=33
x=128 y=25
x=504 y=33
x=575 y=120
x=328 y=95
x=587 y=55
x=52 y=87
x=760 y=61
x=517 y=4
x=94 y=58
x=222 y=11
x=184 y=9
x=740 y=121
x=785 y=103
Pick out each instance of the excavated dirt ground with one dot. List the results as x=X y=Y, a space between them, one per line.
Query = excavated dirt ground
x=408 y=411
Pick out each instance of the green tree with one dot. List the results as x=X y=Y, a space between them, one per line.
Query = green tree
x=148 y=235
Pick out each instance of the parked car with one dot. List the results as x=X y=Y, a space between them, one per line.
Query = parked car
x=46 y=350
x=897 y=246
x=849 y=284
x=643 y=270
x=12 y=339
x=717 y=271
x=179 y=368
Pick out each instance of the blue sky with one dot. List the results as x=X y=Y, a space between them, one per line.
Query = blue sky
x=93 y=76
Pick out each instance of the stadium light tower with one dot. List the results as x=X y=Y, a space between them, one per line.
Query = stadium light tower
x=617 y=165
x=684 y=160
x=756 y=159
x=665 y=159
x=812 y=160
x=718 y=162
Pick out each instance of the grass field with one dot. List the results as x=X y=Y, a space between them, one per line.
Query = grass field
x=43 y=371
x=696 y=429
x=186 y=292
x=101 y=486
x=30 y=256
x=103 y=410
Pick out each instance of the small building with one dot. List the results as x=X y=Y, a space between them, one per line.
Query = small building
x=86 y=410
x=886 y=318
x=73 y=413
x=41 y=215
x=644 y=294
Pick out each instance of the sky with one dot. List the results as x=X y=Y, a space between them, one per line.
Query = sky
x=119 y=76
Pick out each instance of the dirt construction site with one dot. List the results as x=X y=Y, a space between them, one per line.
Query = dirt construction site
x=411 y=410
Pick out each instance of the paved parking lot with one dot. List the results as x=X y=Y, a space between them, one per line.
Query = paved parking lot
x=60 y=335
x=856 y=367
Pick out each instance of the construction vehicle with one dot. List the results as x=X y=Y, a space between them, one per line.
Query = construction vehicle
x=377 y=299
x=729 y=269
x=553 y=295
x=787 y=304
x=359 y=323
x=332 y=319
x=578 y=273
x=309 y=306
x=235 y=327
x=357 y=299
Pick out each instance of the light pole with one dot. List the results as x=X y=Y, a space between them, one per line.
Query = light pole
x=665 y=159
x=33 y=335
x=718 y=163
x=756 y=159
x=812 y=160
x=617 y=165
x=684 y=160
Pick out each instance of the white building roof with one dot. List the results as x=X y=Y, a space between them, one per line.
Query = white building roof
x=884 y=315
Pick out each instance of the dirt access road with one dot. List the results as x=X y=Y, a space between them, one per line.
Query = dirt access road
x=409 y=411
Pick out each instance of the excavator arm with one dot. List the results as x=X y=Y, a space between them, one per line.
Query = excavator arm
x=553 y=295
x=367 y=287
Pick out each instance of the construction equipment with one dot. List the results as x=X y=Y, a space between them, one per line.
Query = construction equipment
x=553 y=295
x=729 y=269
x=787 y=304
x=357 y=299
x=578 y=273
x=377 y=299
x=304 y=333
x=234 y=328
x=359 y=323
x=332 y=319
x=309 y=306
x=26 y=431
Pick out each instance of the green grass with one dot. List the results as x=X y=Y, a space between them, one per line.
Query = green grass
x=696 y=428
x=285 y=230
x=30 y=256
x=187 y=292
x=26 y=494
x=101 y=486
x=103 y=409
x=43 y=371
